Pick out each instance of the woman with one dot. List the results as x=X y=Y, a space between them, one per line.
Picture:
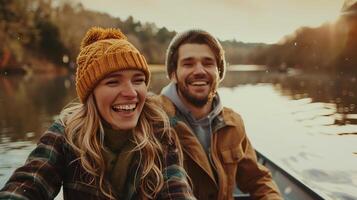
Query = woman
x=115 y=144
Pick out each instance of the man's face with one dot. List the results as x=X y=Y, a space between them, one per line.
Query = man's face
x=196 y=74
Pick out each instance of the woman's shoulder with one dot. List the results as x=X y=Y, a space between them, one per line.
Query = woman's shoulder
x=54 y=135
x=57 y=127
x=164 y=103
x=55 y=131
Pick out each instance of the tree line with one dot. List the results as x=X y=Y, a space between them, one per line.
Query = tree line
x=42 y=30
x=329 y=47
x=51 y=31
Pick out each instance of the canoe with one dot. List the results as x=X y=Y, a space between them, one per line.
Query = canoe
x=290 y=187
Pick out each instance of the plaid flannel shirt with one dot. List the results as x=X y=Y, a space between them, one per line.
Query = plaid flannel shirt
x=52 y=164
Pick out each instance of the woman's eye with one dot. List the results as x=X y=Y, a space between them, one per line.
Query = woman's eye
x=111 y=82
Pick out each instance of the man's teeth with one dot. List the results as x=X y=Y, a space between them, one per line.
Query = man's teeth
x=126 y=107
x=199 y=83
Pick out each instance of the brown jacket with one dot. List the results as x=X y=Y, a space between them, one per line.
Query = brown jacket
x=232 y=158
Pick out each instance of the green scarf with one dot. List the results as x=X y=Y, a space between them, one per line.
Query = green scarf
x=118 y=158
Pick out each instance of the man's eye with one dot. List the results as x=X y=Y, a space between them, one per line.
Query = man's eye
x=187 y=64
x=139 y=81
x=208 y=64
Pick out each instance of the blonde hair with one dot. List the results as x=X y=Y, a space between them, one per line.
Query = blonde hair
x=84 y=133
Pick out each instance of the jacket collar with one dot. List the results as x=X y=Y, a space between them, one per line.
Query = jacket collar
x=226 y=117
x=229 y=117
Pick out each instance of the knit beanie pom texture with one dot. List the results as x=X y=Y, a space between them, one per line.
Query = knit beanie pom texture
x=102 y=52
x=96 y=33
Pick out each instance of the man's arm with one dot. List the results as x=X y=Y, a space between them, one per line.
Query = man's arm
x=254 y=178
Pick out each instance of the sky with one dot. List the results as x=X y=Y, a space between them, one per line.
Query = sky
x=266 y=21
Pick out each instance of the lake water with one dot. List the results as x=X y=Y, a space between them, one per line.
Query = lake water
x=305 y=123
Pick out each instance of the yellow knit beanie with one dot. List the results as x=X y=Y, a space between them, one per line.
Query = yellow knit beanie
x=102 y=52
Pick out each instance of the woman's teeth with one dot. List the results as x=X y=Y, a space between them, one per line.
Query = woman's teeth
x=124 y=107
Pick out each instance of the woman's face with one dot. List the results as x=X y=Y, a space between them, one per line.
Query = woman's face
x=120 y=98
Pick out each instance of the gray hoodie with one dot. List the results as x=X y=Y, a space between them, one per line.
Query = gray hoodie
x=201 y=127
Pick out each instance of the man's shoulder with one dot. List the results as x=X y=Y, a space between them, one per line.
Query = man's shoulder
x=165 y=103
x=229 y=115
x=230 y=111
x=160 y=99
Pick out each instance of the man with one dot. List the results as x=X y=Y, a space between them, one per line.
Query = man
x=218 y=156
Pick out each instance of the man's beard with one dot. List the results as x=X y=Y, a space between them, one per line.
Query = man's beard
x=196 y=101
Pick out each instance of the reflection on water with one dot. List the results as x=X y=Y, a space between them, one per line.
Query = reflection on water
x=305 y=123
x=12 y=154
x=296 y=135
x=29 y=105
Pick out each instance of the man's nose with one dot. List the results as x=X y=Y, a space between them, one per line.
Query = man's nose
x=199 y=68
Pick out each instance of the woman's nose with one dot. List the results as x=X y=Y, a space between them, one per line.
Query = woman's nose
x=129 y=90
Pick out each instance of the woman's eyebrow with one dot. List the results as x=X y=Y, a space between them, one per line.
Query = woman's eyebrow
x=114 y=75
